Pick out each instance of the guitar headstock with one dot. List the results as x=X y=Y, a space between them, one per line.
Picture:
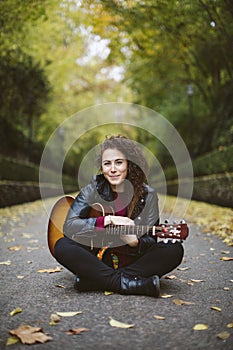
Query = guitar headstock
x=176 y=231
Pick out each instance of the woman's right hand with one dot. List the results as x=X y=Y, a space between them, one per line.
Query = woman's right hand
x=117 y=220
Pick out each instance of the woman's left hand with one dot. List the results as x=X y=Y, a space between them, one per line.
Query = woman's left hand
x=131 y=240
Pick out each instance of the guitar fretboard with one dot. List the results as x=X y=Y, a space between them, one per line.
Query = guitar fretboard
x=138 y=230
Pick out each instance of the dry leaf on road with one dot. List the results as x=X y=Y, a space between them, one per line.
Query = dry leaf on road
x=7 y=262
x=30 y=335
x=12 y=340
x=20 y=277
x=165 y=296
x=216 y=308
x=197 y=281
x=54 y=319
x=170 y=277
x=77 y=330
x=115 y=323
x=15 y=248
x=16 y=311
x=56 y=269
x=108 y=293
x=226 y=258
x=230 y=325
x=159 y=317
x=200 y=327
x=223 y=335
x=68 y=313
x=182 y=302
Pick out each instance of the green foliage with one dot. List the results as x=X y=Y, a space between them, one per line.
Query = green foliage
x=24 y=91
x=23 y=83
x=217 y=162
x=15 y=170
x=166 y=45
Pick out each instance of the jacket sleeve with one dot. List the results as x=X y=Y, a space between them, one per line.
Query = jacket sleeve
x=150 y=218
x=78 y=222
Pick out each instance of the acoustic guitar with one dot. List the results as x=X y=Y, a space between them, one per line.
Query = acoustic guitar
x=59 y=212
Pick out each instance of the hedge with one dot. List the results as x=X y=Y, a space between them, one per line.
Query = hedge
x=15 y=170
x=215 y=189
x=217 y=162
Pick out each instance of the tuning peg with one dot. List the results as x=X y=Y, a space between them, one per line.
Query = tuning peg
x=174 y=240
x=165 y=240
x=182 y=222
x=175 y=222
x=166 y=221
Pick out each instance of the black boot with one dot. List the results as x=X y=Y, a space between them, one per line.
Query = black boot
x=77 y=283
x=140 y=286
x=82 y=286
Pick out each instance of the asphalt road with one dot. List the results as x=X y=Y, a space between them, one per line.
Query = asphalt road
x=203 y=280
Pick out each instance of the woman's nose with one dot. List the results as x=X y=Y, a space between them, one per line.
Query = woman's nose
x=113 y=167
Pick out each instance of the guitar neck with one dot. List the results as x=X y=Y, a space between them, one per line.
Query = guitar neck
x=137 y=230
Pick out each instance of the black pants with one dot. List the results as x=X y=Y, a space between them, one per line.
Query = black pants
x=159 y=259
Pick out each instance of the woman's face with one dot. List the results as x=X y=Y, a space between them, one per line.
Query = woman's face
x=114 y=167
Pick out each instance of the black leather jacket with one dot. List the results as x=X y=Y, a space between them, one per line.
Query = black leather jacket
x=78 y=224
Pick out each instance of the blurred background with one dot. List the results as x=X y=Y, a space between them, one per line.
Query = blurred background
x=59 y=57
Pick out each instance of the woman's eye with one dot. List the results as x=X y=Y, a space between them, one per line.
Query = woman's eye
x=119 y=162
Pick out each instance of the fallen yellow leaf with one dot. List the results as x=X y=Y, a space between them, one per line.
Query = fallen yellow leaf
x=182 y=302
x=15 y=248
x=165 y=296
x=171 y=277
x=26 y=235
x=68 y=313
x=59 y=286
x=183 y=268
x=159 y=317
x=197 y=281
x=16 y=311
x=12 y=340
x=108 y=293
x=223 y=335
x=54 y=319
x=20 y=277
x=7 y=262
x=115 y=323
x=200 y=327
x=57 y=269
x=216 y=308
x=226 y=258
x=77 y=330
x=230 y=325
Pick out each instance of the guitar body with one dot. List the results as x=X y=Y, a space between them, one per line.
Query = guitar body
x=58 y=216
x=56 y=221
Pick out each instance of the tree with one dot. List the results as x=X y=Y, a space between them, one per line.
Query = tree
x=166 y=45
x=24 y=86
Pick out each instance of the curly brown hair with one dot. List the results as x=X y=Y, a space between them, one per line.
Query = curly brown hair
x=137 y=164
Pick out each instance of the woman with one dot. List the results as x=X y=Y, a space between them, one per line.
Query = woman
x=135 y=265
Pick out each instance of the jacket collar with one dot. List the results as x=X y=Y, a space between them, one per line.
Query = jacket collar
x=103 y=187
